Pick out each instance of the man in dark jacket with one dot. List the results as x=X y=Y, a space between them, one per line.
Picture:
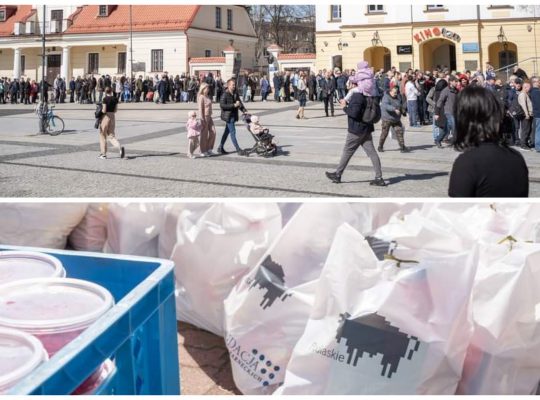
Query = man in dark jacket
x=328 y=88
x=230 y=104
x=445 y=105
x=391 y=118
x=359 y=134
x=277 y=87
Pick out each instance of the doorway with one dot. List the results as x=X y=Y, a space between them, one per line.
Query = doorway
x=54 y=62
x=438 y=53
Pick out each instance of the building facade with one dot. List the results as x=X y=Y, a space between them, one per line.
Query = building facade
x=458 y=36
x=95 y=39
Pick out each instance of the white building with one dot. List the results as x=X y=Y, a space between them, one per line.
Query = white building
x=95 y=39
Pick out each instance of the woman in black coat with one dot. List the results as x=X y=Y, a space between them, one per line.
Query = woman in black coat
x=487 y=167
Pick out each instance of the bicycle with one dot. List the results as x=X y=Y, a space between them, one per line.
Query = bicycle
x=54 y=125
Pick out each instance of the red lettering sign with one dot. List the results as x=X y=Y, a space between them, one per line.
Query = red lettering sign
x=437 y=31
x=427 y=33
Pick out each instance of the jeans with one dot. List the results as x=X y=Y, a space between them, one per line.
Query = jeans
x=450 y=124
x=230 y=128
x=525 y=132
x=412 y=109
x=436 y=131
x=537 y=134
x=342 y=93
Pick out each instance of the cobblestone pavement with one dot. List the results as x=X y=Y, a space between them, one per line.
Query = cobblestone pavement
x=204 y=363
x=156 y=166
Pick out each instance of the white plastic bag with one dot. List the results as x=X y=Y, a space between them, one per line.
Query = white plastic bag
x=504 y=353
x=39 y=224
x=91 y=233
x=213 y=251
x=133 y=228
x=379 y=327
x=267 y=310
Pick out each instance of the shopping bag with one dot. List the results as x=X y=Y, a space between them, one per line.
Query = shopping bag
x=266 y=311
x=504 y=352
x=213 y=251
x=91 y=233
x=39 y=224
x=133 y=228
x=384 y=326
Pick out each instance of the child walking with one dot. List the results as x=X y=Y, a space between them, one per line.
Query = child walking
x=193 y=133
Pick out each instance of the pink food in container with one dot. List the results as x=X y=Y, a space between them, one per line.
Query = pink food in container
x=17 y=265
x=20 y=354
x=55 y=310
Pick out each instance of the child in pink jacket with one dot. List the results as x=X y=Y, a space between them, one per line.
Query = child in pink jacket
x=193 y=126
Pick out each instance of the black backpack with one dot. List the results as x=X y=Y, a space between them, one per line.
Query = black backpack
x=372 y=112
x=515 y=109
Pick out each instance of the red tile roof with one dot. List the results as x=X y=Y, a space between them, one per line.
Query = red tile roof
x=296 y=56
x=6 y=27
x=145 y=18
x=207 y=60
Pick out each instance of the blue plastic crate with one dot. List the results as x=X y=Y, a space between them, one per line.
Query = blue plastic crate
x=139 y=332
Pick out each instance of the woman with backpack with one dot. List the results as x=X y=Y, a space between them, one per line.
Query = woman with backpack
x=363 y=111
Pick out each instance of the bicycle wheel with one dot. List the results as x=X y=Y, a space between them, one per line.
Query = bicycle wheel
x=55 y=126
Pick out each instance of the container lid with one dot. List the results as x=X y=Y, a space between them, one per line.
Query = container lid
x=17 y=265
x=47 y=305
x=20 y=354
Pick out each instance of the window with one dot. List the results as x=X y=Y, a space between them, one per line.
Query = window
x=23 y=64
x=93 y=63
x=157 y=60
x=208 y=53
x=335 y=13
x=229 y=20
x=122 y=62
x=103 y=11
x=375 y=8
x=2 y=15
x=218 y=17
x=435 y=7
x=57 y=15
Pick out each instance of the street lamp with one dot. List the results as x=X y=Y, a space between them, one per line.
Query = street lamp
x=43 y=104
x=376 y=39
x=501 y=36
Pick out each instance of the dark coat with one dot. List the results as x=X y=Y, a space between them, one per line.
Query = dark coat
x=328 y=87
x=354 y=110
x=228 y=109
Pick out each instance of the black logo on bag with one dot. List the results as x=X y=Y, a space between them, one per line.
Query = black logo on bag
x=270 y=277
x=373 y=334
x=379 y=247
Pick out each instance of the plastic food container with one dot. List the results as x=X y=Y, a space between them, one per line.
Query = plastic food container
x=90 y=386
x=55 y=310
x=20 y=354
x=17 y=265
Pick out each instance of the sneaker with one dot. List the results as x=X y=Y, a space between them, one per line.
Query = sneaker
x=380 y=149
x=439 y=145
x=102 y=157
x=524 y=148
x=210 y=153
x=122 y=152
x=333 y=177
x=222 y=151
x=378 y=182
x=297 y=116
x=404 y=150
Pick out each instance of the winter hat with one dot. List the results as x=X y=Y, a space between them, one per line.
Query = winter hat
x=254 y=119
x=192 y=114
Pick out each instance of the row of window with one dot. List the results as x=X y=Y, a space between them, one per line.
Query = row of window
x=335 y=10
x=156 y=62
x=229 y=19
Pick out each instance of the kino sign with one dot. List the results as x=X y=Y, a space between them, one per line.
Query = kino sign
x=431 y=33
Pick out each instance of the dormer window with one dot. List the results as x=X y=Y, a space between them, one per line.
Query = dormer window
x=103 y=11
x=2 y=15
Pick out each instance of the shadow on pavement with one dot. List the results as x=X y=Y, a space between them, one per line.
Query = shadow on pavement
x=205 y=366
x=415 y=177
x=152 y=155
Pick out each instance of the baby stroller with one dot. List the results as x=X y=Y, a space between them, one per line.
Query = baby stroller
x=265 y=145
